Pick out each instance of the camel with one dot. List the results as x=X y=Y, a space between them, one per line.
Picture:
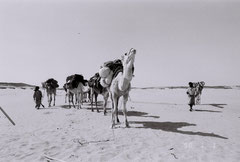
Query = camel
x=199 y=87
x=70 y=96
x=121 y=85
x=66 y=90
x=97 y=89
x=75 y=86
x=86 y=93
x=95 y=92
x=51 y=89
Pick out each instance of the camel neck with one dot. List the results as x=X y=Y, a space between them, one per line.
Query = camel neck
x=126 y=78
x=127 y=72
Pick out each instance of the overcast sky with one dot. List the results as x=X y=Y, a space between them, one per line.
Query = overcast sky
x=176 y=42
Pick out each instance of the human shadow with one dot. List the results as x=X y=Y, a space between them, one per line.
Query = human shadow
x=216 y=105
x=138 y=114
x=207 y=111
x=173 y=127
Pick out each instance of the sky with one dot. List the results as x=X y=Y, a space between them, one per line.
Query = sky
x=176 y=41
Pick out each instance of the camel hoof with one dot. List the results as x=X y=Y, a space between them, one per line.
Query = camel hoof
x=112 y=126
x=127 y=125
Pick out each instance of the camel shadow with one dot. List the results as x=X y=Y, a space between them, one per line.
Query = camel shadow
x=99 y=103
x=173 y=127
x=138 y=114
x=216 y=105
x=207 y=111
x=65 y=106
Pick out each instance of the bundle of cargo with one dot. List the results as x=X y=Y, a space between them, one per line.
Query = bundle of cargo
x=108 y=71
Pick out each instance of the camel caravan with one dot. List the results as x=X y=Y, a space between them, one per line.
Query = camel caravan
x=113 y=80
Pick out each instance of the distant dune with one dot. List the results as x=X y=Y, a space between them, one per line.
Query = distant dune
x=15 y=85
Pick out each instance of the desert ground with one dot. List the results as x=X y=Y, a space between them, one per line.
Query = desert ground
x=161 y=128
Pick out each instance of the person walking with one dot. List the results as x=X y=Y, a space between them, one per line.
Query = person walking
x=191 y=92
x=37 y=96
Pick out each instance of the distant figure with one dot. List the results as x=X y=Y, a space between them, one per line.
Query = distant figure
x=191 y=92
x=199 y=87
x=37 y=96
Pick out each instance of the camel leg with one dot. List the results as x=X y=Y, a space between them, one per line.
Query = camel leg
x=73 y=100
x=77 y=99
x=114 y=110
x=125 y=98
x=81 y=99
x=54 y=99
x=96 y=95
x=49 y=100
x=89 y=95
x=66 y=98
x=105 y=103
x=92 y=101
x=69 y=100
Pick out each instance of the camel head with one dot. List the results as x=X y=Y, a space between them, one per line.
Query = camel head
x=128 y=64
x=43 y=85
x=47 y=85
x=129 y=58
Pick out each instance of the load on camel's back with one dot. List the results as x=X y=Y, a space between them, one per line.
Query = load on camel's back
x=52 y=83
x=95 y=82
x=73 y=81
x=109 y=70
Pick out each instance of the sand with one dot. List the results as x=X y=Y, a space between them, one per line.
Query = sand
x=161 y=128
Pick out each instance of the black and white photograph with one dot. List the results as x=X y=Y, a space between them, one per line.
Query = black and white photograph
x=119 y=80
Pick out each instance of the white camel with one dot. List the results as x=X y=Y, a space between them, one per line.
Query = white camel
x=121 y=85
